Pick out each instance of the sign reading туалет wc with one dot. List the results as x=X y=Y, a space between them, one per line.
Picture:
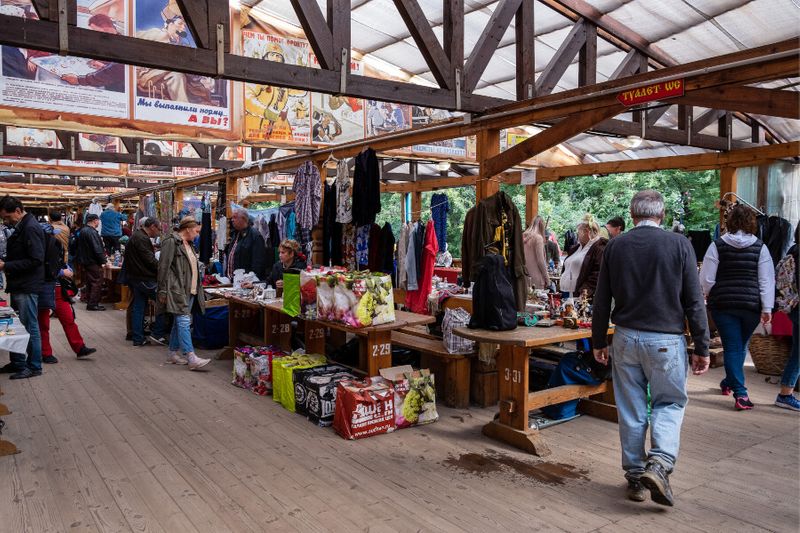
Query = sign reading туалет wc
x=649 y=93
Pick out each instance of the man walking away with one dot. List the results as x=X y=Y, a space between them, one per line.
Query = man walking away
x=92 y=258
x=24 y=268
x=142 y=265
x=652 y=276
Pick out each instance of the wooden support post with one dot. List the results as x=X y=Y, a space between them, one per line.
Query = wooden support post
x=416 y=205
x=488 y=146
x=727 y=183
x=178 y=200
x=230 y=194
x=531 y=203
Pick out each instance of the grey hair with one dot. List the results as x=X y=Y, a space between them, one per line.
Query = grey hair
x=647 y=204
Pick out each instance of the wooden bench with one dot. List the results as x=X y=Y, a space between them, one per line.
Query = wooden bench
x=451 y=370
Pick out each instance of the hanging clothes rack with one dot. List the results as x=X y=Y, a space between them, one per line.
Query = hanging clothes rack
x=743 y=201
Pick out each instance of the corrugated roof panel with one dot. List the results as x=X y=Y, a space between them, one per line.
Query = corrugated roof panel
x=657 y=19
x=697 y=42
x=366 y=37
x=762 y=22
x=404 y=55
x=546 y=20
x=376 y=13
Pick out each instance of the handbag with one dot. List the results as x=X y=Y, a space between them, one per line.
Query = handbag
x=291 y=293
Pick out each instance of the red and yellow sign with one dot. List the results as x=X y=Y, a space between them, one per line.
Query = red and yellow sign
x=649 y=93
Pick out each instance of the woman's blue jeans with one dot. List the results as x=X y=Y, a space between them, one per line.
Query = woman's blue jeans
x=735 y=329
x=181 y=335
x=792 y=370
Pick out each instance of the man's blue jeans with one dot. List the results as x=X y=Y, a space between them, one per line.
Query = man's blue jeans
x=181 y=336
x=792 y=370
x=143 y=291
x=27 y=307
x=735 y=329
x=640 y=358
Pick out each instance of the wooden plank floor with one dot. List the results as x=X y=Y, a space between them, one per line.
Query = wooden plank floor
x=123 y=442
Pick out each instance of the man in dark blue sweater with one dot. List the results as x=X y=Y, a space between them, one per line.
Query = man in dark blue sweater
x=651 y=274
x=24 y=267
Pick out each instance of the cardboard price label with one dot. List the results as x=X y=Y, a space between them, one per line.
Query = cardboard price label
x=649 y=93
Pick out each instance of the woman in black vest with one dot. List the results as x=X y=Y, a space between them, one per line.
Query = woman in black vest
x=738 y=278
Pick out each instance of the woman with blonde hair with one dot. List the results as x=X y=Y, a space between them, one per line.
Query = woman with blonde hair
x=582 y=265
x=290 y=257
x=533 y=240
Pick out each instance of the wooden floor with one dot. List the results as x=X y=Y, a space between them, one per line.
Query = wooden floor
x=122 y=442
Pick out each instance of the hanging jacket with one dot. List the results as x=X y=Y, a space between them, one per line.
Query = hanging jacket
x=417 y=301
x=493 y=300
x=306 y=186
x=386 y=250
x=778 y=237
x=366 y=188
x=497 y=216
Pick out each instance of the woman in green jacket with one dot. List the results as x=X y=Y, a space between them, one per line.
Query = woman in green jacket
x=180 y=289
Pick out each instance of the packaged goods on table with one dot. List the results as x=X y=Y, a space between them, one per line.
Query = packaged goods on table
x=261 y=368
x=282 y=382
x=321 y=396
x=364 y=408
x=358 y=299
x=414 y=396
x=309 y=280
x=242 y=373
x=300 y=375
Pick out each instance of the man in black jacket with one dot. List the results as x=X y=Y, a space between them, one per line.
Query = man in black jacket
x=142 y=268
x=247 y=250
x=92 y=257
x=24 y=268
x=652 y=276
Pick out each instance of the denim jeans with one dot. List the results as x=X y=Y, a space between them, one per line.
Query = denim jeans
x=181 y=335
x=640 y=358
x=27 y=307
x=792 y=370
x=735 y=329
x=142 y=292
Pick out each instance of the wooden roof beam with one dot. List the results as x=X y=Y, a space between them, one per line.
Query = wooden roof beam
x=488 y=42
x=317 y=31
x=555 y=69
x=426 y=41
x=770 y=102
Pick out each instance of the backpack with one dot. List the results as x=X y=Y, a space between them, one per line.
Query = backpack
x=494 y=305
x=53 y=257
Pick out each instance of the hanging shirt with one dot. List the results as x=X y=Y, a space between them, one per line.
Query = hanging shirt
x=362 y=246
x=417 y=300
x=306 y=187
x=402 y=249
x=411 y=259
x=349 y=247
x=440 y=207
x=344 y=203
x=222 y=232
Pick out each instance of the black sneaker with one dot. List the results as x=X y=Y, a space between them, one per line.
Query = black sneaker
x=8 y=368
x=26 y=373
x=636 y=491
x=656 y=480
x=143 y=343
x=50 y=359
x=86 y=351
x=95 y=308
x=158 y=340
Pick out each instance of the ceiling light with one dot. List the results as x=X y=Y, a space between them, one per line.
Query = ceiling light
x=443 y=166
x=631 y=141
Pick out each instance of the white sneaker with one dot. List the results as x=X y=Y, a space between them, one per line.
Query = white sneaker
x=176 y=359
x=197 y=362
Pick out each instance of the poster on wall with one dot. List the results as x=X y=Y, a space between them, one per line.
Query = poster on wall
x=153 y=147
x=44 y=80
x=383 y=117
x=175 y=97
x=336 y=119
x=94 y=142
x=424 y=116
x=31 y=137
x=276 y=113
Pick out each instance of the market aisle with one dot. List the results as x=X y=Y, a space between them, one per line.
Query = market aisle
x=123 y=442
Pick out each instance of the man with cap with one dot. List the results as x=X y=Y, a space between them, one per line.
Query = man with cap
x=92 y=258
x=110 y=228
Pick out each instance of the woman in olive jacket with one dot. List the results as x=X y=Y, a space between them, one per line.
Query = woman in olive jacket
x=179 y=289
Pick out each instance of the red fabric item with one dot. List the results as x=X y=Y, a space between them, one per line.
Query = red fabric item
x=65 y=315
x=416 y=301
x=781 y=325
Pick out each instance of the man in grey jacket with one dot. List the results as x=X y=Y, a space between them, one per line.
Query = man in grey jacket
x=652 y=276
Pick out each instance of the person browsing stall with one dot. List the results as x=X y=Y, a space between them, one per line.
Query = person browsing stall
x=92 y=257
x=142 y=266
x=289 y=258
x=651 y=274
x=246 y=250
x=615 y=227
x=180 y=289
x=582 y=265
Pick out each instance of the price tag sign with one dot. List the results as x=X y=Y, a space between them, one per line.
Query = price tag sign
x=529 y=177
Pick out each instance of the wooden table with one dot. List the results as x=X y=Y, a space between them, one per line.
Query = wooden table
x=258 y=324
x=516 y=400
x=111 y=273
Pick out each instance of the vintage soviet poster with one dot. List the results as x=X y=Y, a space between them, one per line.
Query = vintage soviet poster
x=43 y=80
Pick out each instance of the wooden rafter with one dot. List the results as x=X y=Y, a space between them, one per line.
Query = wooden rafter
x=339 y=24
x=555 y=69
x=426 y=41
x=317 y=30
x=770 y=102
x=195 y=14
x=526 y=63
x=488 y=42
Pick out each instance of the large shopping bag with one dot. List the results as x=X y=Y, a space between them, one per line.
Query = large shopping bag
x=364 y=408
x=291 y=293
